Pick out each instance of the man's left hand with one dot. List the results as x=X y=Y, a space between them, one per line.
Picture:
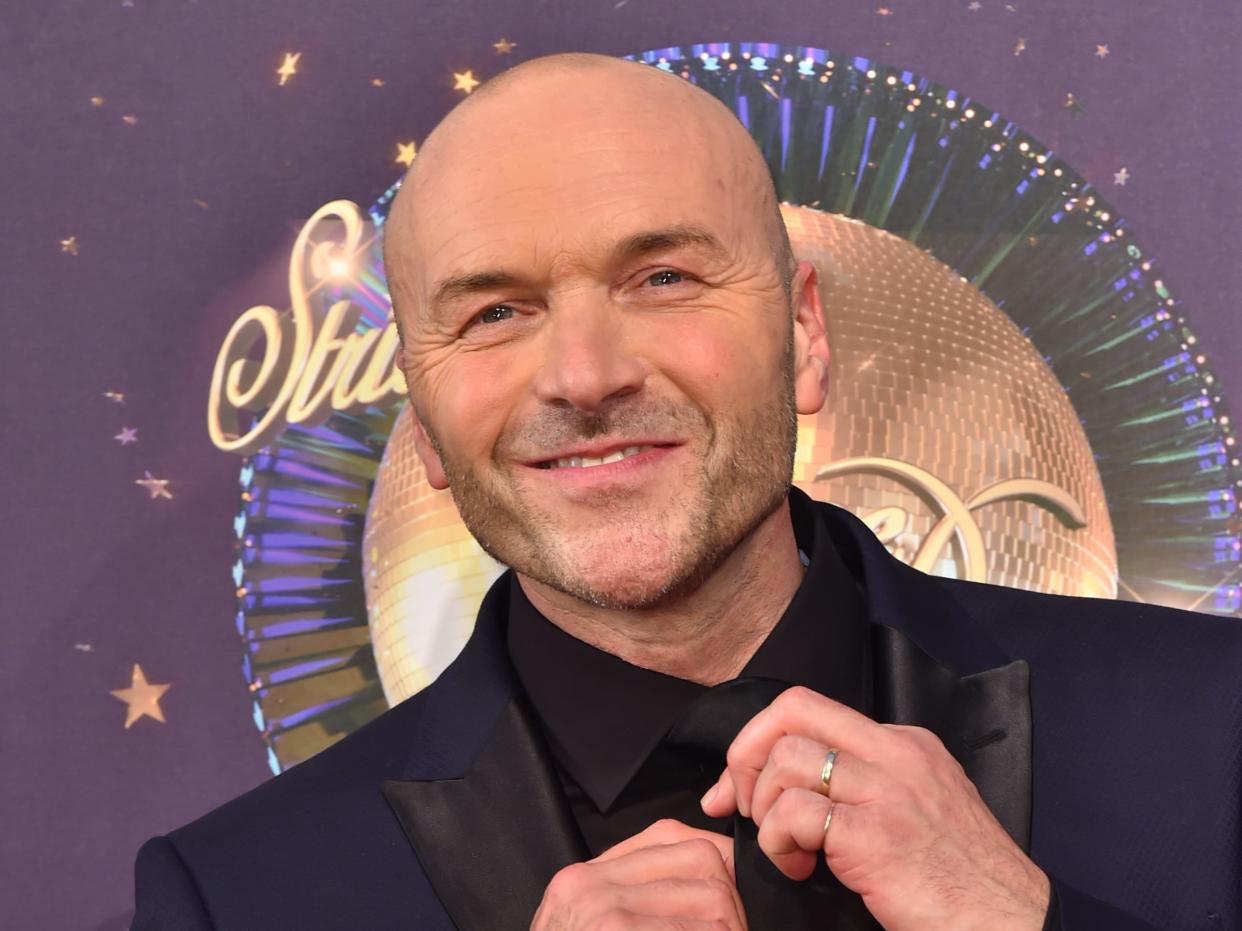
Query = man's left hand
x=909 y=831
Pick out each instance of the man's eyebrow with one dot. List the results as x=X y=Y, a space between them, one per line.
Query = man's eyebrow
x=627 y=249
x=450 y=289
x=671 y=237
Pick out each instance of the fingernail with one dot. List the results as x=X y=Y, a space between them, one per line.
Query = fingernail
x=711 y=794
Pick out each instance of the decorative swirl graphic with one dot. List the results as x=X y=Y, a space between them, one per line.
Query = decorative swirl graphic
x=954 y=514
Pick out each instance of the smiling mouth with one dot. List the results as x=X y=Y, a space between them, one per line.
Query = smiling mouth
x=586 y=462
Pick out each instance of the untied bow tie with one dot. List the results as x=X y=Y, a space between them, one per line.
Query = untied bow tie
x=772 y=900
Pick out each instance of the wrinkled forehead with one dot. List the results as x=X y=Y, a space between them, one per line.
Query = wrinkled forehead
x=555 y=189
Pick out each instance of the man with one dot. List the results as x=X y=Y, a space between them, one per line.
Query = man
x=700 y=700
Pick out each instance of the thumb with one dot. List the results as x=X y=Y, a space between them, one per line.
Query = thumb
x=721 y=799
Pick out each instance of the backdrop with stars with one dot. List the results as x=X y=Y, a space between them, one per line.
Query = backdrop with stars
x=159 y=160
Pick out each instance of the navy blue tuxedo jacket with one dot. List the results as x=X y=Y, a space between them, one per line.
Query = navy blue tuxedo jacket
x=1106 y=737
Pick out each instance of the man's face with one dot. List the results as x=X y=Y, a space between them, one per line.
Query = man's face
x=626 y=307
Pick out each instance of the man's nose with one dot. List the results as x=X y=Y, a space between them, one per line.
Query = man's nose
x=587 y=358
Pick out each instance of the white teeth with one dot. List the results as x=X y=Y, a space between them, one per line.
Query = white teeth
x=582 y=462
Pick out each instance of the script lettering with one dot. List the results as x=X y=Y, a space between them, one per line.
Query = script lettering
x=312 y=362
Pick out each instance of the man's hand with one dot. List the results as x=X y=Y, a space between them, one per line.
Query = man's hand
x=670 y=877
x=909 y=832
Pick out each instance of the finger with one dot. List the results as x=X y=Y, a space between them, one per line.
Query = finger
x=721 y=799
x=695 y=858
x=621 y=920
x=685 y=879
x=670 y=831
x=798 y=763
x=675 y=897
x=802 y=712
x=792 y=835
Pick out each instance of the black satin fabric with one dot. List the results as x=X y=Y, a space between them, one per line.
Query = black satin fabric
x=773 y=901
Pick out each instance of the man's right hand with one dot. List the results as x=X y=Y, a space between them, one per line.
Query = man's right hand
x=670 y=877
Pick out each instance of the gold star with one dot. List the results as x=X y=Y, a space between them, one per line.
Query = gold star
x=69 y=245
x=158 y=487
x=97 y=101
x=464 y=81
x=405 y=154
x=1073 y=105
x=504 y=46
x=378 y=82
x=289 y=67
x=883 y=11
x=1101 y=51
x=142 y=698
x=1020 y=47
x=199 y=202
x=129 y=119
x=116 y=397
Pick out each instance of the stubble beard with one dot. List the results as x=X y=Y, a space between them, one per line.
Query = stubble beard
x=743 y=476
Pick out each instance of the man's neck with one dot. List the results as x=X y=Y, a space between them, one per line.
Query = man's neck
x=710 y=634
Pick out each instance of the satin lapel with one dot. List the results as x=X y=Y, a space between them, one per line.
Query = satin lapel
x=491 y=840
x=480 y=802
x=983 y=719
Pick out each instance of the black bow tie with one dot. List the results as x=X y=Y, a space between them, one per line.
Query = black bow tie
x=773 y=901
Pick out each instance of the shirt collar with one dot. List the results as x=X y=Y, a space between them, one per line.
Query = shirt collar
x=603 y=716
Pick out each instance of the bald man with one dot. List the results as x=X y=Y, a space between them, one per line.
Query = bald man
x=697 y=699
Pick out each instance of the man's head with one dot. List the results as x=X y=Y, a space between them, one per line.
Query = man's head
x=587 y=257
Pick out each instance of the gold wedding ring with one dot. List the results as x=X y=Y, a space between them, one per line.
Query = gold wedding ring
x=828 y=821
x=829 y=762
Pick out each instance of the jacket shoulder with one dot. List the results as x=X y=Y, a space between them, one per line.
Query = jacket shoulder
x=1040 y=623
x=296 y=849
x=361 y=759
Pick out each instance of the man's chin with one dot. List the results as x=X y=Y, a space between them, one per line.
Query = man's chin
x=626 y=579
x=630 y=594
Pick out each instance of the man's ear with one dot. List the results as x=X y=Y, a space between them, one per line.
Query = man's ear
x=426 y=450
x=810 y=341
x=436 y=476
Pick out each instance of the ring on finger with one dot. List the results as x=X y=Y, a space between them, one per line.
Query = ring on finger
x=828 y=820
x=826 y=774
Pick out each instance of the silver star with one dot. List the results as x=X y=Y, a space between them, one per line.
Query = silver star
x=127 y=435
x=1121 y=177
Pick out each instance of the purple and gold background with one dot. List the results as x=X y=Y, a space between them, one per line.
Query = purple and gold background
x=157 y=170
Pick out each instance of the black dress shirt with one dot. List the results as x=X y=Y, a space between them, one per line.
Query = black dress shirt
x=604 y=717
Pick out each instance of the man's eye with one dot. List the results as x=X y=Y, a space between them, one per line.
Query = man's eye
x=495 y=314
x=664 y=275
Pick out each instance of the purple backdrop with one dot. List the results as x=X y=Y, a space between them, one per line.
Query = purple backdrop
x=156 y=171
